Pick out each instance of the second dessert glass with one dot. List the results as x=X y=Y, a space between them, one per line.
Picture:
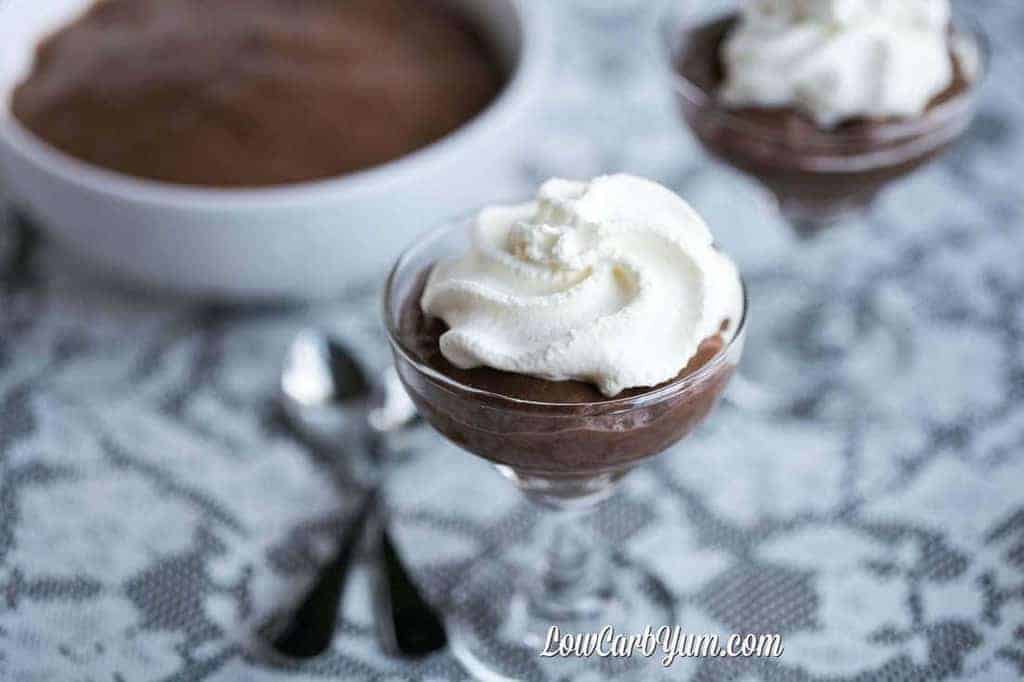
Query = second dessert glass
x=566 y=458
x=814 y=178
x=817 y=177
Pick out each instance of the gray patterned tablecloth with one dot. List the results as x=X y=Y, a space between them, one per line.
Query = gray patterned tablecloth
x=152 y=509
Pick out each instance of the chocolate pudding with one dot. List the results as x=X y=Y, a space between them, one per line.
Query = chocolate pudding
x=249 y=93
x=579 y=434
x=421 y=334
x=801 y=163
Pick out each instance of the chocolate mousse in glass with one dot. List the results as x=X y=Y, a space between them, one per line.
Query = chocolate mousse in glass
x=819 y=174
x=825 y=104
x=565 y=443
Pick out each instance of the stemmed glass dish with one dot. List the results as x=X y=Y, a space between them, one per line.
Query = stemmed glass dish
x=818 y=176
x=814 y=178
x=566 y=458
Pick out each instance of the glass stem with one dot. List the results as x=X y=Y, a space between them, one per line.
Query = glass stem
x=574 y=581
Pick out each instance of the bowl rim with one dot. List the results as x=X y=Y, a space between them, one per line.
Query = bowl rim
x=672 y=388
x=514 y=99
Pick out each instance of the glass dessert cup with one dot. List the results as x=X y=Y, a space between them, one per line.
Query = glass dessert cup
x=815 y=178
x=818 y=177
x=566 y=458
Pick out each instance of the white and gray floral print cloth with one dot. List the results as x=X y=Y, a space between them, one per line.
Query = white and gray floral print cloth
x=152 y=508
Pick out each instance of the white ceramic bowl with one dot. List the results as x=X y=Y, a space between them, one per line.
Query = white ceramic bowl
x=299 y=241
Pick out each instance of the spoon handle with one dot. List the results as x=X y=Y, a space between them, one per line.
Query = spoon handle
x=311 y=626
x=408 y=625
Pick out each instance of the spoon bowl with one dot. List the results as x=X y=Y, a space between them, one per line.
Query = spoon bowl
x=324 y=392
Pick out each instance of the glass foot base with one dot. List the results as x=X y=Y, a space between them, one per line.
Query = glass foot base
x=501 y=629
x=809 y=218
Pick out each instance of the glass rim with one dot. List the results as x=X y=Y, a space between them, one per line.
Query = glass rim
x=670 y=389
x=673 y=26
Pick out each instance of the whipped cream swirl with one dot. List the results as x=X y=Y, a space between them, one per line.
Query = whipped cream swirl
x=613 y=282
x=839 y=59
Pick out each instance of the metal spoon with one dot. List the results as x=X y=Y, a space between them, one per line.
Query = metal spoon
x=329 y=401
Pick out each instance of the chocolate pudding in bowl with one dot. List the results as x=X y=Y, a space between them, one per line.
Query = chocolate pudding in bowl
x=566 y=340
x=213 y=225
x=826 y=103
x=255 y=93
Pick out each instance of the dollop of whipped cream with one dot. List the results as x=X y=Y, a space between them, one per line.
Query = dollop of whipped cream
x=839 y=59
x=614 y=282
